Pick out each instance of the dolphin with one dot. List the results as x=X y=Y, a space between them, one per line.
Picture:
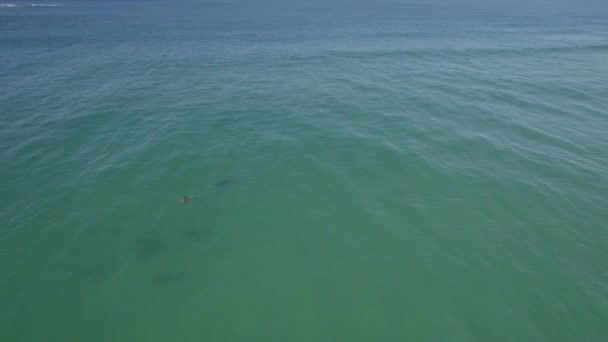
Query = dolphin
x=225 y=182
x=186 y=199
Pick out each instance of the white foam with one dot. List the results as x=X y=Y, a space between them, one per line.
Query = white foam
x=45 y=5
x=8 y=5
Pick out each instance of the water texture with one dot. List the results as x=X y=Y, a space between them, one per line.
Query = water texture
x=364 y=171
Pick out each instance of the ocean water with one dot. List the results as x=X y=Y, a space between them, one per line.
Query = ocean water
x=364 y=171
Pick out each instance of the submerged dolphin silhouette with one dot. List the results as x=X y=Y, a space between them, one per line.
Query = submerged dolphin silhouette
x=186 y=199
x=225 y=182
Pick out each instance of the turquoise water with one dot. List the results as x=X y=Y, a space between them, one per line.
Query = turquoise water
x=365 y=171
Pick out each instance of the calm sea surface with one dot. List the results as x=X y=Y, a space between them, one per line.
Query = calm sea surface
x=364 y=171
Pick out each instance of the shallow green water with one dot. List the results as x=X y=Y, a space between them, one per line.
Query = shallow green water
x=364 y=172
